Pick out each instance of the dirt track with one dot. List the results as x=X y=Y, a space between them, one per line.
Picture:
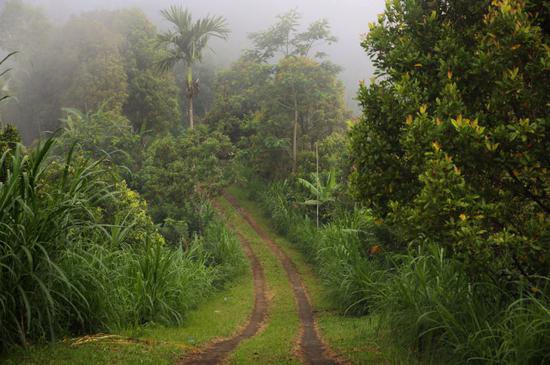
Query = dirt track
x=312 y=348
x=217 y=352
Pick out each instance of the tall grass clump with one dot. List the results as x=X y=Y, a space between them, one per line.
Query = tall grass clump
x=37 y=225
x=431 y=305
x=167 y=283
x=350 y=262
x=223 y=252
x=78 y=252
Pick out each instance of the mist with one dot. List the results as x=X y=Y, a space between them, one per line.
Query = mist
x=348 y=19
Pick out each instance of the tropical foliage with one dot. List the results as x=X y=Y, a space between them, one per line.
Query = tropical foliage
x=79 y=252
x=443 y=232
x=428 y=214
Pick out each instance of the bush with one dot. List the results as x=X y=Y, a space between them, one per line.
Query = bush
x=452 y=144
x=178 y=169
x=223 y=252
x=101 y=135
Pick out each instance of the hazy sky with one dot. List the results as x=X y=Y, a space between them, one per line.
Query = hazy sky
x=348 y=18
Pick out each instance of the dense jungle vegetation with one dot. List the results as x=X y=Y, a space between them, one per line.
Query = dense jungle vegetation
x=429 y=210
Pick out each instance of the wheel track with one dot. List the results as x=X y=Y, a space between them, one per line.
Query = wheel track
x=313 y=350
x=216 y=352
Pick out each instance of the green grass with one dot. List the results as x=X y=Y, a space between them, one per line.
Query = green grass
x=277 y=342
x=224 y=312
x=358 y=339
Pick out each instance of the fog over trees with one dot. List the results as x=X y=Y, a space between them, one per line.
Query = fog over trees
x=348 y=20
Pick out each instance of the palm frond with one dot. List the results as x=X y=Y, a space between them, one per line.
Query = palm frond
x=188 y=39
x=167 y=63
x=8 y=56
x=179 y=16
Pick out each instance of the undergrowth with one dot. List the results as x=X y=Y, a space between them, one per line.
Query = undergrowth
x=426 y=300
x=78 y=252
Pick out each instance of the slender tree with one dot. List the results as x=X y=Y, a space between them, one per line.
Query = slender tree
x=185 y=43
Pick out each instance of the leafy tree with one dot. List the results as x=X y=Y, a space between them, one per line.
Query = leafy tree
x=178 y=168
x=97 y=72
x=77 y=65
x=284 y=39
x=100 y=135
x=96 y=57
x=240 y=92
x=308 y=94
x=26 y=29
x=152 y=103
x=452 y=145
x=186 y=42
x=267 y=108
x=23 y=27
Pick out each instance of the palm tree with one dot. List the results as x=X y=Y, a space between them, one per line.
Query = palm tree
x=185 y=43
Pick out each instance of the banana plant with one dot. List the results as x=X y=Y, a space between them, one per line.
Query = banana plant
x=322 y=190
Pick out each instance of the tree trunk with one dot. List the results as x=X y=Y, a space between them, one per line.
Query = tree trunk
x=190 y=92
x=190 y=111
x=318 y=181
x=295 y=138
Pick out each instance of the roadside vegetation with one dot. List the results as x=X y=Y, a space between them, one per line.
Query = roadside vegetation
x=441 y=231
x=420 y=226
x=95 y=236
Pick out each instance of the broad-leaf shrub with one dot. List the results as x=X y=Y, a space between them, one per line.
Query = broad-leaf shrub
x=453 y=142
x=178 y=169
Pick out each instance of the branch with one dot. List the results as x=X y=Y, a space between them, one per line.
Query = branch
x=527 y=192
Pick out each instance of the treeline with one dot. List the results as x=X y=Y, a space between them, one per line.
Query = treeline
x=108 y=58
x=281 y=97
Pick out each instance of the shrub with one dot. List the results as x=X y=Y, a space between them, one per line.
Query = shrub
x=178 y=169
x=452 y=144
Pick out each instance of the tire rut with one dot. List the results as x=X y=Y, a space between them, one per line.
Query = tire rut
x=217 y=351
x=313 y=349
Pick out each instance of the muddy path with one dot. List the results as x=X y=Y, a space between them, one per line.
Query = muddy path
x=217 y=351
x=313 y=350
